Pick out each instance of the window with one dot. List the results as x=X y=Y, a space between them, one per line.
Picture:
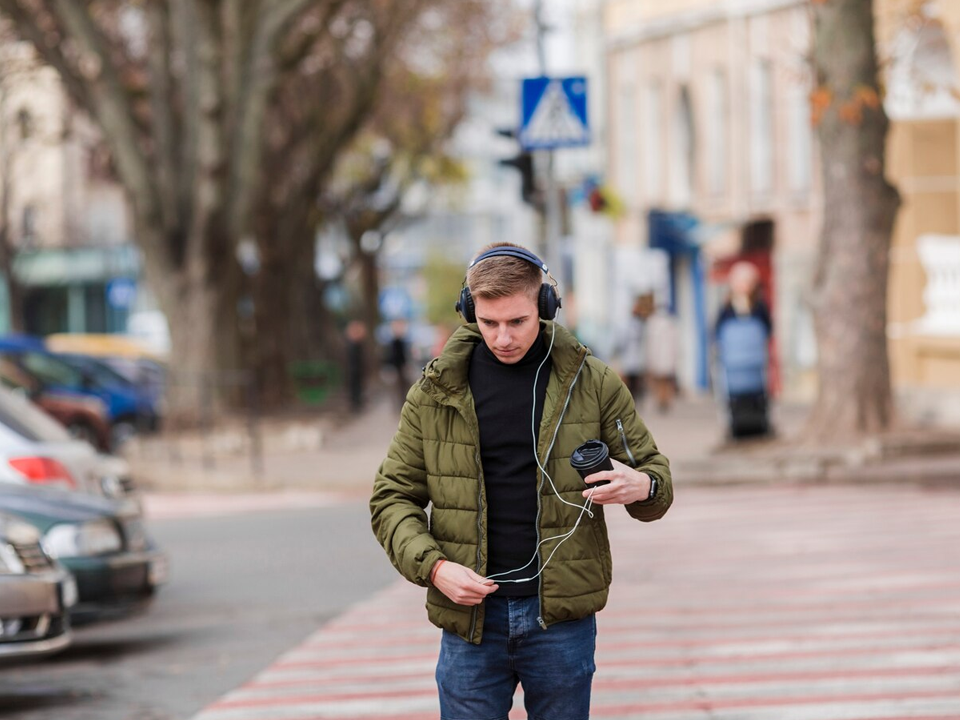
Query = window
x=51 y=371
x=653 y=139
x=683 y=160
x=627 y=131
x=27 y=420
x=28 y=229
x=761 y=127
x=800 y=147
x=716 y=132
x=25 y=123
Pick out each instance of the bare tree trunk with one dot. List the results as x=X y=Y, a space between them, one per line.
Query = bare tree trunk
x=293 y=323
x=200 y=300
x=275 y=308
x=860 y=207
x=369 y=288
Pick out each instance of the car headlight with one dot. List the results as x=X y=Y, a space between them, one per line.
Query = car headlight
x=112 y=486
x=82 y=539
x=10 y=563
x=14 y=531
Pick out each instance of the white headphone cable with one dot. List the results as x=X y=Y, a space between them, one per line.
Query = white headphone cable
x=585 y=508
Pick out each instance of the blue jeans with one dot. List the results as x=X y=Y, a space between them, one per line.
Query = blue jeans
x=555 y=666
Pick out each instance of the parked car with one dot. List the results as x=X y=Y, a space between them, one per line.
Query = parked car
x=35 y=449
x=103 y=373
x=85 y=418
x=127 y=408
x=102 y=542
x=36 y=594
x=101 y=345
x=129 y=355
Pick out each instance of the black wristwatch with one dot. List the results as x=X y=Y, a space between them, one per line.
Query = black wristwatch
x=653 y=489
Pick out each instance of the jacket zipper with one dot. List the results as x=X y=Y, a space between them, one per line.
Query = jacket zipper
x=623 y=439
x=476 y=608
x=546 y=458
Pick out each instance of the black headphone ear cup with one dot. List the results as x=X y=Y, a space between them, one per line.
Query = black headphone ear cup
x=548 y=302
x=466 y=307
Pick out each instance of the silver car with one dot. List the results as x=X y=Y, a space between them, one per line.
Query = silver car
x=36 y=450
x=35 y=594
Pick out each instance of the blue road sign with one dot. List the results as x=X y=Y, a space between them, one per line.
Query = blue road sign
x=121 y=292
x=554 y=113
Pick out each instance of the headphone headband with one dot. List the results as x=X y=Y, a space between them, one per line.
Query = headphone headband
x=515 y=252
x=548 y=302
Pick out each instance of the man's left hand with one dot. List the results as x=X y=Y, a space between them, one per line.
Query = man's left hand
x=626 y=486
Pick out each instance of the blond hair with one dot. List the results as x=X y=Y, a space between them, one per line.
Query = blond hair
x=503 y=275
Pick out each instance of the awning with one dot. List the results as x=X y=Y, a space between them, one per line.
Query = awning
x=75 y=266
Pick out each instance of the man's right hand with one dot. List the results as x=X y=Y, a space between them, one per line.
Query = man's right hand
x=461 y=584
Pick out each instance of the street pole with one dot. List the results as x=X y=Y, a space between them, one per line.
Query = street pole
x=550 y=218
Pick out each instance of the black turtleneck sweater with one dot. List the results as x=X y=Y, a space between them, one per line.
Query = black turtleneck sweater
x=503 y=398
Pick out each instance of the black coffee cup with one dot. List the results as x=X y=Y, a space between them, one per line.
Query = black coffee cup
x=591 y=457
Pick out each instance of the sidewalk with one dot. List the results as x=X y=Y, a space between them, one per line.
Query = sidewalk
x=341 y=455
x=743 y=603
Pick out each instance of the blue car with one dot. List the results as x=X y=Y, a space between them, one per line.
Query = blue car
x=129 y=408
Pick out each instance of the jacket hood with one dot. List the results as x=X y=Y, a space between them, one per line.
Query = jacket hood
x=449 y=372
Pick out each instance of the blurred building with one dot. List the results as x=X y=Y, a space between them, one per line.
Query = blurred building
x=923 y=160
x=712 y=152
x=597 y=277
x=65 y=218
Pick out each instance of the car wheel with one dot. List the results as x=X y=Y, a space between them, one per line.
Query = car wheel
x=83 y=431
x=121 y=432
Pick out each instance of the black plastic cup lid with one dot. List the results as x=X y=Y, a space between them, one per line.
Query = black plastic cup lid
x=591 y=453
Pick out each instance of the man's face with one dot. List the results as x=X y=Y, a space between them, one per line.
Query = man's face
x=509 y=325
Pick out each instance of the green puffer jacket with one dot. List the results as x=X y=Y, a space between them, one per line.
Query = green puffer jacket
x=435 y=458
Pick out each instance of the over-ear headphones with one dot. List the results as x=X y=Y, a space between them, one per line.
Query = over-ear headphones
x=548 y=301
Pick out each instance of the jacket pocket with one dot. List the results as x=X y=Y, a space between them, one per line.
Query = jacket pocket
x=603 y=551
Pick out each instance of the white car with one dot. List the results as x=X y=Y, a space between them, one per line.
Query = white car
x=36 y=449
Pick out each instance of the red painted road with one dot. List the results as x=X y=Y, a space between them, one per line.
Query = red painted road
x=741 y=604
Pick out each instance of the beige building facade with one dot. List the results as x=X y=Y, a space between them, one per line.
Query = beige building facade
x=65 y=217
x=709 y=115
x=924 y=162
x=59 y=192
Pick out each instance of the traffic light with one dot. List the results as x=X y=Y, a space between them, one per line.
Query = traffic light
x=523 y=162
x=528 y=181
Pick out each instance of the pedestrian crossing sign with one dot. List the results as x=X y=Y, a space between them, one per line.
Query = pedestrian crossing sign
x=554 y=113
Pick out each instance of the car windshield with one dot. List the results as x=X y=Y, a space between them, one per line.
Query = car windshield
x=99 y=372
x=51 y=370
x=13 y=376
x=27 y=420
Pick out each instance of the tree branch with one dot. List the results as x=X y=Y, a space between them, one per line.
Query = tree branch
x=27 y=28
x=208 y=190
x=110 y=104
x=161 y=104
x=261 y=74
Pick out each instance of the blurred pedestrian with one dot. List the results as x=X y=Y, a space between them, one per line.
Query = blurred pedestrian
x=356 y=335
x=495 y=417
x=662 y=352
x=745 y=298
x=398 y=358
x=631 y=352
x=742 y=336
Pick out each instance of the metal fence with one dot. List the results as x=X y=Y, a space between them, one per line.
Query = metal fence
x=212 y=420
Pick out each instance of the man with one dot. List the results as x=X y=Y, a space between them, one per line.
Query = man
x=515 y=557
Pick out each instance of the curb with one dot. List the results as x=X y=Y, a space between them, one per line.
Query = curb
x=941 y=471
